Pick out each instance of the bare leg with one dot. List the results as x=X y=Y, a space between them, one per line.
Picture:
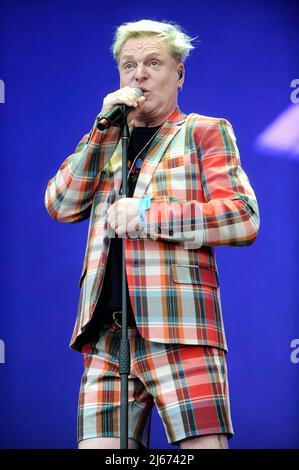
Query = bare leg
x=106 y=443
x=213 y=441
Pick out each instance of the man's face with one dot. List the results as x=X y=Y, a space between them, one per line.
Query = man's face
x=146 y=63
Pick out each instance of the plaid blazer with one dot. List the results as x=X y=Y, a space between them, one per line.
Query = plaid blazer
x=201 y=197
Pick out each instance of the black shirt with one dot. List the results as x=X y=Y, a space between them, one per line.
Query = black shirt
x=111 y=293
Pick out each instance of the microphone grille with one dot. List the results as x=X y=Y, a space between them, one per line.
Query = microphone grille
x=139 y=92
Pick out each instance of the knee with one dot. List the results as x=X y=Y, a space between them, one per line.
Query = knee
x=99 y=443
x=213 y=441
x=106 y=443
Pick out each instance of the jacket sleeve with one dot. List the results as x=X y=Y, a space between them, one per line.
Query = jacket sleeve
x=69 y=194
x=229 y=215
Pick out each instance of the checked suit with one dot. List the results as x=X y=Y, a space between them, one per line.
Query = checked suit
x=201 y=198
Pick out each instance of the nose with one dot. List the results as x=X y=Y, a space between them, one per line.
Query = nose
x=141 y=73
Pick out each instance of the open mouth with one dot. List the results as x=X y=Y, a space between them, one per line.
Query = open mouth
x=144 y=90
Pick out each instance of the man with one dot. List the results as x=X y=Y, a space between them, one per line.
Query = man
x=187 y=193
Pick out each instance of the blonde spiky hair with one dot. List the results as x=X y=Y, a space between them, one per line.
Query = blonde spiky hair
x=178 y=42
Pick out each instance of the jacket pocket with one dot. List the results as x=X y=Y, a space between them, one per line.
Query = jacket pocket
x=194 y=274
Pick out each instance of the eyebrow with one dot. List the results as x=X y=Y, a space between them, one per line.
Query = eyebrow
x=149 y=54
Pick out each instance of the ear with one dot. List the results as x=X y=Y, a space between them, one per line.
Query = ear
x=181 y=75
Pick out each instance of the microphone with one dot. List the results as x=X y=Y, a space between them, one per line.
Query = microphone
x=117 y=114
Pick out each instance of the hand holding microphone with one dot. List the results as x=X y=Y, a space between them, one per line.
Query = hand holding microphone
x=118 y=105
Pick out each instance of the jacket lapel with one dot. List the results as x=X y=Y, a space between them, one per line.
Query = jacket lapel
x=157 y=149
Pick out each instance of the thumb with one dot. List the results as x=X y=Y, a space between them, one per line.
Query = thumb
x=141 y=100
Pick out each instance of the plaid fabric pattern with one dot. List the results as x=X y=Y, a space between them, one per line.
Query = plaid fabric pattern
x=188 y=384
x=201 y=198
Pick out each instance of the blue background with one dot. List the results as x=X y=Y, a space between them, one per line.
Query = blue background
x=56 y=66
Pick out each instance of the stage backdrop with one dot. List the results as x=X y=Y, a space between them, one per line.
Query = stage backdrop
x=55 y=69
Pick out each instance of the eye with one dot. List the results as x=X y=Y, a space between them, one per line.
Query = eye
x=154 y=62
x=128 y=66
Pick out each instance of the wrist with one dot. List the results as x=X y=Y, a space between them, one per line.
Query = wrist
x=144 y=205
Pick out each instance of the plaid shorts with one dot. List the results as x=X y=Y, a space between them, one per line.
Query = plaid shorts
x=187 y=383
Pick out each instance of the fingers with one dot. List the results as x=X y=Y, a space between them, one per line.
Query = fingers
x=131 y=230
x=123 y=217
x=125 y=95
x=131 y=116
x=141 y=100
